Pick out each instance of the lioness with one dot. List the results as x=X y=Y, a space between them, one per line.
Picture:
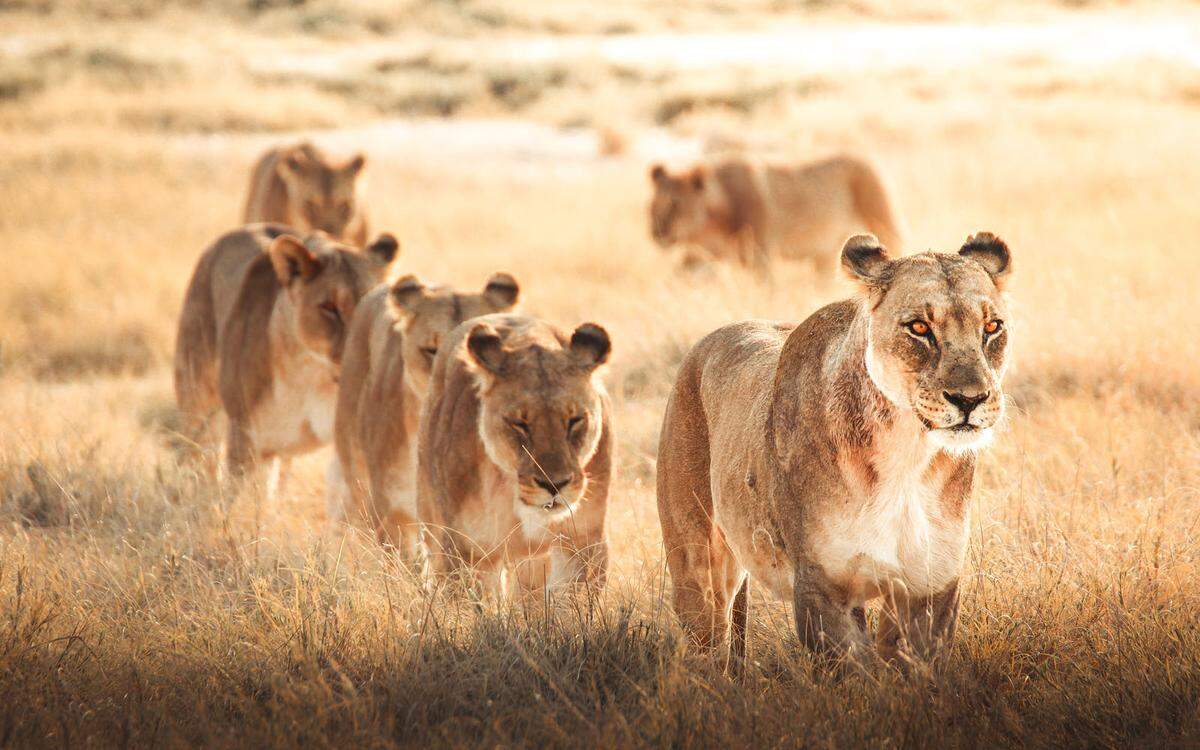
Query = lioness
x=832 y=461
x=298 y=186
x=752 y=213
x=515 y=452
x=261 y=335
x=385 y=375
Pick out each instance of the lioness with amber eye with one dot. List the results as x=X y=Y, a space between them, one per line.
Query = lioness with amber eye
x=753 y=213
x=516 y=452
x=396 y=333
x=832 y=462
x=261 y=335
x=301 y=187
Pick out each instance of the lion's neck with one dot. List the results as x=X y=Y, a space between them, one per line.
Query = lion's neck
x=856 y=409
x=722 y=219
x=290 y=358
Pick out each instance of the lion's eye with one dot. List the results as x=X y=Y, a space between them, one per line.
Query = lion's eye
x=520 y=427
x=330 y=311
x=429 y=351
x=993 y=327
x=574 y=423
x=918 y=328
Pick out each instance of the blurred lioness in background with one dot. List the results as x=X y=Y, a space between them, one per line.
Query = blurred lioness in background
x=261 y=335
x=752 y=213
x=389 y=355
x=300 y=187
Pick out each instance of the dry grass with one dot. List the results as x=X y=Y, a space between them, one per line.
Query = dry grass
x=138 y=605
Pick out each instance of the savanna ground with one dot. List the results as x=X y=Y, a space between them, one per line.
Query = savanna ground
x=139 y=606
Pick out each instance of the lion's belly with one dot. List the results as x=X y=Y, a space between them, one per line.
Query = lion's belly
x=758 y=552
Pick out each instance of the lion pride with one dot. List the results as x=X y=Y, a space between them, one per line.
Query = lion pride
x=515 y=453
x=261 y=336
x=831 y=463
x=752 y=212
x=300 y=187
x=396 y=334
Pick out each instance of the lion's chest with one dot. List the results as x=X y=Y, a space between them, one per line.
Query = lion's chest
x=897 y=533
x=298 y=414
x=497 y=534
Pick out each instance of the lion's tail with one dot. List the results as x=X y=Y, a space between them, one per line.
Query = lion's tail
x=873 y=205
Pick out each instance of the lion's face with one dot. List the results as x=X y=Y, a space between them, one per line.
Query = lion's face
x=678 y=210
x=541 y=415
x=938 y=339
x=429 y=313
x=324 y=281
x=323 y=196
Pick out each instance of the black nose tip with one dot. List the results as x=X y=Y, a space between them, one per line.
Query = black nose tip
x=554 y=486
x=966 y=402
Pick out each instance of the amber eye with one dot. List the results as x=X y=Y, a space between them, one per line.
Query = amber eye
x=919 y=328
x=993 y=327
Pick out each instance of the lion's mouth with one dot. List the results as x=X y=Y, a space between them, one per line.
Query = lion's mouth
x=964 y=427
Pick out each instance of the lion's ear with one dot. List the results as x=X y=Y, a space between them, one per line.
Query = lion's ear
x=485 y=347
x=865 y=260
x=407 y=291
x=292 y=260
x=295 y=163
x=355 y=165
x=658 y=173
x=989 y=251
x=590 y=345
x=384 y=248
x=502 y=291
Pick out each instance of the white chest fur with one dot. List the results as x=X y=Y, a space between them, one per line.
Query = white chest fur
x=298 y=413
x=896 y=534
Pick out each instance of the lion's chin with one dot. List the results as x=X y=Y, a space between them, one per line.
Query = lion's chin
x=957 y=441
x=540 y=519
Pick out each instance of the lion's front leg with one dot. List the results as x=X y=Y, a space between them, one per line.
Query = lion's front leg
x=920 y=626
x=825 y=620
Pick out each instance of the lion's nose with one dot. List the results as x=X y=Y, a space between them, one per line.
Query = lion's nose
x=554 y=486
x=966 y=402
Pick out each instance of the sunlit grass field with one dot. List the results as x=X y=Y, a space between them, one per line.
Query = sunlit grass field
x=141 y=606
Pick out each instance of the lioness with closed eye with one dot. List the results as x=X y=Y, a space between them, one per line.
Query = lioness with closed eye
x=832 y=462
x=261 y=335
x=389 y=355
x=516 y=453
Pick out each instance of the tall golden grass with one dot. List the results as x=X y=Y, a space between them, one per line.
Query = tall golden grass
x=139 y=605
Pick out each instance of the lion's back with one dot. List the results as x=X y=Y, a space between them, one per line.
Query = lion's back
x=266 y=197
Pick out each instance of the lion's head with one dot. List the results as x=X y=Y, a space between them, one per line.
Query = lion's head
x=323 y=281
x=541 y=408
x=938 y=339
x=323 y=194
x=429 y=312
x=679 y=209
